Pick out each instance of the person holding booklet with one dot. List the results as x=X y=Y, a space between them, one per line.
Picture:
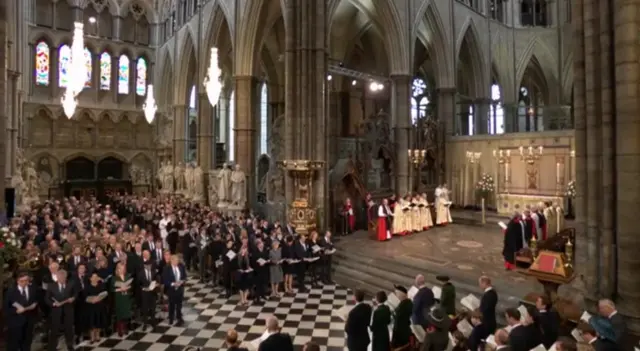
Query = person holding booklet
x=147 y=285
x=488 y=303
x=229 y=268
x=96 y=308
x=173 y=278
x=357 y=324
x=61 y=296
x=244 y=278
x=121 y=286
x=315 y=252
x=401 y=336
x=20 y=307
x=260 y=263
x=275 y=268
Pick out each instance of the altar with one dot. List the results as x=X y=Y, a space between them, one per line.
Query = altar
x=509 y=203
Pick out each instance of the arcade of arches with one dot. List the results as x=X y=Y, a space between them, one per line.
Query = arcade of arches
x=506 y=88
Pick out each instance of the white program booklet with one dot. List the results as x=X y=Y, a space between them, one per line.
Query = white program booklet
x=392 y=301
x=316 y=248
x=311 y=259
x=262 y=261
x=523 y=313
x=586 y=317
x=491 y=340
x=343 y=312
x=231 y=255
x=464 y=327
x=412 y=292
x=577 y=335
x=419 y=332
x=539 y=348
x=470 y=302
x=151 y=286
x=437 y=292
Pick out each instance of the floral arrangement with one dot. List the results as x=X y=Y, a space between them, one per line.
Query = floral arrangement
x=9 y=245
x=571 y=190
x=485 y=186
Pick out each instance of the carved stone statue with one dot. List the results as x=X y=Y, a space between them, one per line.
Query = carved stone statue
x=139 y=175
x=238 y=187
x=178 y=175
x=197 y=184
x=166 y=175
x=32 y=183
x=224 y=186
x=275 y=189
x=212 y=192
x=188 y=180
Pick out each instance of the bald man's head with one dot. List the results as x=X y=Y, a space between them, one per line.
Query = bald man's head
x=419 y=280
x=232 y=337
x=272 y=324
x=502 y=337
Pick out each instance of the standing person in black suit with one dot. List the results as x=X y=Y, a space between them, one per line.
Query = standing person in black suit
x=549 y=321
x=607 y=309
x=21 y=312
x=75 y=260
x=422 y=302
x=591 y=337
x=260 y=264
x=173 y=278
x=300 y=251
x=326 y=258
x=488 y=303
x=357 y=325
x=519 y=335
x=61 y=297
x=380 y=324
x=148 y=297
x=276 y=341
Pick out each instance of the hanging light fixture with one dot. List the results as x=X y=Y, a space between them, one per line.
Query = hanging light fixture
x=212 y=83
x=77 y=72
x=149 y=107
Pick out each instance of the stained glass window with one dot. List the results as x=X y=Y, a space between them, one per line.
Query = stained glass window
x=105 y=71
x=64 y=60
x=496 y=122
x=88 y=61
x=141 y=77
x=263 y=120
x=123 y=75
x=419 y=101
x=42 y=63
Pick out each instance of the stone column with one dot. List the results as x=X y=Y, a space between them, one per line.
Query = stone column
x=247 y=105
x=627 y=154
x=334 y=126
x=205 y=132
x=3 y=102
x=446 y=101
x=480 y=116
x=13 y=125
x=179 y=133
x=401 y=117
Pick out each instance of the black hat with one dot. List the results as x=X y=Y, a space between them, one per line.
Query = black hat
x=442 y=278
x=400 y=288
x=439 y=319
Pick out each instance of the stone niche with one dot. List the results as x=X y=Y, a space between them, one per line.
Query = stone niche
x=53 y=139
x=544 y=179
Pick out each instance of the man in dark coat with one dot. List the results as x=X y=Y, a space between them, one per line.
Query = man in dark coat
x=422 y=302
x=514 y=240
x=401 y=335
x=488 y=303
x=591 y=337
x=608 y=310
x=380 y=324
x=20 y=313
x=357 y=324
x=276 y=341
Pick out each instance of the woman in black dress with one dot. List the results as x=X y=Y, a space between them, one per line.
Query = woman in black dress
x=288 y=269
x=245 y=274
x=96 y=309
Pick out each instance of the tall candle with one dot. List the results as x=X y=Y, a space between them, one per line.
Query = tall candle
x=558 y=172
x=506 y=172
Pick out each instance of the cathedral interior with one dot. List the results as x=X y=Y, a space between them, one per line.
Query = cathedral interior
x=320 y=100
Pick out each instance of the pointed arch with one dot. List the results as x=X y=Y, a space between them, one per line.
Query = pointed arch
x=247 y=48
x=535 y=75
x=111 y=6
x=79 y=155
x=36 y=36
x=543 y=56
x=430 y=31
x=165 y=87
x=216 y=27
x=112 y=154
x=149 y=11
x=468 y=40
x=398 y=52
x=184 y=63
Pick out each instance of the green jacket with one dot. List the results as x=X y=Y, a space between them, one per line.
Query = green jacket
x=448 y=298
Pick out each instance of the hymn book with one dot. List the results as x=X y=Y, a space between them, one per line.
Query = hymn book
x=412 y=292
x=392 y=301
x=502 y=225
x=125 y=284
x=151 y=286
x=464 y=327
x=20 y=307
x=330 y=252
x=586 y=316
x=97 y=298
x=419 y=332
x=311 y=259
x=491 y=340
x=523 y=313
x=231 y=255
x=577 y=335
x=470 y=302
x=316 y=248
x=262 y=261
x=343 y=312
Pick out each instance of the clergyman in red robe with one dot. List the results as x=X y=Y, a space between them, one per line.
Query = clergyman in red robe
x=384 y=221
x=349 y=214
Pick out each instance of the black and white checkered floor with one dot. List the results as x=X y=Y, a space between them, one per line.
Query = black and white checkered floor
x=208 y=316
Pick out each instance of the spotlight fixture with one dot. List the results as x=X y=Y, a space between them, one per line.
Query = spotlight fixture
x=354 y=82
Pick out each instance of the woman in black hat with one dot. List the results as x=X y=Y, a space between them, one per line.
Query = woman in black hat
x=402 y=326
x=380 y=324
x=437 y=337
x=448 y=296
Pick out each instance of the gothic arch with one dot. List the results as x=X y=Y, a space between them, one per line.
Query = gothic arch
x=468 y=40
x=149 y=11
x=247 y=49
x=76 y=155
x=436 y=44
x=36 y=36
x=216 y=28
x=543 y=55
x=534 y=75
x=185 y=64
x=165 y=88
x=118 y=156
x=112 y=6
